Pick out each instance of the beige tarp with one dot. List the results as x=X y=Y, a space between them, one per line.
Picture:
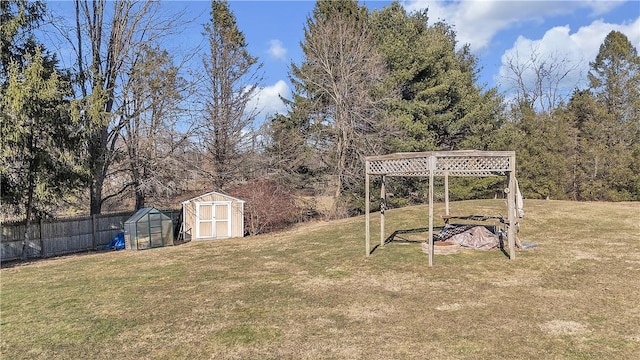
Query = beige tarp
x=478 y=237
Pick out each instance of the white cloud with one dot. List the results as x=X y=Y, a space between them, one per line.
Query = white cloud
x=477 y=22
x=277 y=50
x=577 y=49
x=267 y=101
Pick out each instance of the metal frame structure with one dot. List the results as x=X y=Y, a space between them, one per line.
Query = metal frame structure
x=442 y=163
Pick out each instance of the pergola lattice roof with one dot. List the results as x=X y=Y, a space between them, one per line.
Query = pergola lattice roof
x=454 y=163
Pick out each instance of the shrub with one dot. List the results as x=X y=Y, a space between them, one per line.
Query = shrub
x=269 y=206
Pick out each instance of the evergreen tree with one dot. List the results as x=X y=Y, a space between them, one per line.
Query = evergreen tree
x=17 y=20
x=439 y=107
x=288 y=151
x=39 y=164
x=588 y=149
x=437 y=104
x=615 y=133
x=542 y=142
x=232 y=78
x=588 y=168
x=615 y=79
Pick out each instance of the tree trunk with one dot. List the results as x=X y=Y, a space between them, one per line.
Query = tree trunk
x=98 y=165
x=140 y=197
x=95 y=206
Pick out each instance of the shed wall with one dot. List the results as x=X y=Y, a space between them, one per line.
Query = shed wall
x=190 y=215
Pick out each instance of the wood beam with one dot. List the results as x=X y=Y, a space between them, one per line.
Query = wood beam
x=383 y=205
x=366 y=212
x=446 y=193
x=511 y=208
x=431 y=168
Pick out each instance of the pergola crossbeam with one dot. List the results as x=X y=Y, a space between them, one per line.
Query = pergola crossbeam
x=456 y=163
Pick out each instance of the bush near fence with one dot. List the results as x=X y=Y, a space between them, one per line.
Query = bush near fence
x=63 y=236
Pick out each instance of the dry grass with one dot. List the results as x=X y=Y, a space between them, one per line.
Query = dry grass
x=311 y=293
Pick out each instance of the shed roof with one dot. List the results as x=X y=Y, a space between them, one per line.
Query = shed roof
x=212 y=193
x=143 y=212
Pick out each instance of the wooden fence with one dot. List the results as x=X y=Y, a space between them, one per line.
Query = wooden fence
x=62 y=236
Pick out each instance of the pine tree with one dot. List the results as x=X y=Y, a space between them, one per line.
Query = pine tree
x=615 y=79
x=588 y=169
x=288 y=150
x=542 y=143
x=17 y=20
x=39 y=164
x=439 y=106
x=615 y=134
x=232 y=79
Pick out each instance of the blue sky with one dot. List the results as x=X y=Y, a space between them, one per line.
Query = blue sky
x=570 y=30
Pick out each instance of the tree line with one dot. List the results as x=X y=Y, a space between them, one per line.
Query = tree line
x=130 y=122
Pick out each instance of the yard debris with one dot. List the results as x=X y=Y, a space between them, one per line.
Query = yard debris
x=117 y=243
x=476 y=237
x=441 y=248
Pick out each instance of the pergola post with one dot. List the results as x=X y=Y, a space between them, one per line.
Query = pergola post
x=432 y=165
x=446 y=193
x=366 y=209
x=511 y=209
x=383 y=206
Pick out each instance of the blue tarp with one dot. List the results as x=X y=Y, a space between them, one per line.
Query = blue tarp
x=118 y=242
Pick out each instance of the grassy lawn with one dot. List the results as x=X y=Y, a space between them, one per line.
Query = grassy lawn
x=311 y=293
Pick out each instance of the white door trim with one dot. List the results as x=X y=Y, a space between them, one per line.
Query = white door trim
x=213 y=220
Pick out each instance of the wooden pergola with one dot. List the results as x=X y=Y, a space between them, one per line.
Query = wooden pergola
x=443 y=163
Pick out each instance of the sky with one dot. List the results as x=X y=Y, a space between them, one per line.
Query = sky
x=496 y=31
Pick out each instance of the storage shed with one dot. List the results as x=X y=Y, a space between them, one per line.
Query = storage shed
x=148 y=228
x=212 y=215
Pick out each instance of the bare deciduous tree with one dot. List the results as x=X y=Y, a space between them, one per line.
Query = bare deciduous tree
x=154 y=128
x=340 y=75
x=104 y=49
x=541 y=79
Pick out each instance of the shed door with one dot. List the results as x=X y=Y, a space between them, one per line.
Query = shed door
x=213 y=220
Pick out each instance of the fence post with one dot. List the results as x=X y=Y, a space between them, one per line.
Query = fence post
x=23 y=253
x=42 y=253
x=94 y=231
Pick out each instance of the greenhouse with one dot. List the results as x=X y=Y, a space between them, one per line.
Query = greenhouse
x=148 y=228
